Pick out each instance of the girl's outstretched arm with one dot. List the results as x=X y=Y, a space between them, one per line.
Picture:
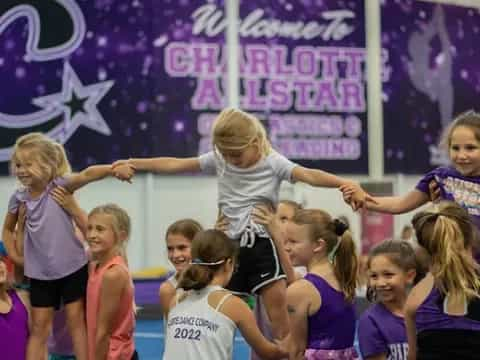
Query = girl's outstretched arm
x=321 y=178
x=94 y=173
x=397 y=204
x=167 y=165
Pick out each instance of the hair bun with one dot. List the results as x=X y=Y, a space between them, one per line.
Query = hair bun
x=340 y=227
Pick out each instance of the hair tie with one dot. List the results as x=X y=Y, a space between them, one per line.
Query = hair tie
x=339 y=227
x=198 y=261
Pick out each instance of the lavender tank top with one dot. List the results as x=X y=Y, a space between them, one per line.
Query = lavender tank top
x=430 y=316
x=332 y=327
x=14 y=330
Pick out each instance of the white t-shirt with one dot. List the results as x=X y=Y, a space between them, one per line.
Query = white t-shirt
x=197 y=331
x=239 y=190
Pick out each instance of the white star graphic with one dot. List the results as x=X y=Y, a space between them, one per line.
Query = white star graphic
x=90 y=116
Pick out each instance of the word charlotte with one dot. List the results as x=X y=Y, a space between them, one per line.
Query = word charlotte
x=310 y=78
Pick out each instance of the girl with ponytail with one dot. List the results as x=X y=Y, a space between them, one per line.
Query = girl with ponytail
x=322 y=315
x=201 y=323
x=443 y=310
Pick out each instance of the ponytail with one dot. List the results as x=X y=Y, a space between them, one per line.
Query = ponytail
x=345 y=265
x=210 y=251
x=455 y=270
x=341 y=250
x=197 y=277
x=447 y=234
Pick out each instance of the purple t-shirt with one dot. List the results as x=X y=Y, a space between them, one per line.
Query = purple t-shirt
x=51 y=249
x=464 y=190
x=381 y=332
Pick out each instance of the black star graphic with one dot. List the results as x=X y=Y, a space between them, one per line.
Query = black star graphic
x=76 y=104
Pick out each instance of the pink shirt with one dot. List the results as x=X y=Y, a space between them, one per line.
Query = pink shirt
x=121 y=345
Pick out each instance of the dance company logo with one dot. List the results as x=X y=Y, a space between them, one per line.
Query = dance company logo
x=76 y=104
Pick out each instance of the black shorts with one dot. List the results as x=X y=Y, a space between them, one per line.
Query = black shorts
x=448 y=344
x=258 y=264
x=53 y=293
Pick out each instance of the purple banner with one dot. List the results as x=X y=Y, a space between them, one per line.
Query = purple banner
x=113 y=79
x=433 y=76
x=302 y=71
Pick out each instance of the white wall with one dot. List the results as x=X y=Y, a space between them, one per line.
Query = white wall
x=154 y=202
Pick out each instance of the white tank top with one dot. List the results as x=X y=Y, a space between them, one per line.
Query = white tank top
x=197 y=331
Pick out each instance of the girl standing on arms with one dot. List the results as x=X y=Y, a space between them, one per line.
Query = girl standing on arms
x=201 y=323
x=179 y=242
x=392 y=269
x=322 y=314
x=443 y=310
x=249 y=172
x=110 y=306
x=55 y=260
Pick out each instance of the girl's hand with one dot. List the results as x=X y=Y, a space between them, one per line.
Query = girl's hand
x=283 y=345
x=264 y=214
x=65 y=199
x=222 y=223
x=124 y=171
x=433 y=191
x=355 y=196
x=350 y=195
x=121 y=162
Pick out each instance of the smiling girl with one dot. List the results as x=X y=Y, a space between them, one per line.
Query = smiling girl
x=179 y=243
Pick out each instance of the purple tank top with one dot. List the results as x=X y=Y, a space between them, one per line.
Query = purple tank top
x=332 y=327
x=14 y=330
x=430 y=316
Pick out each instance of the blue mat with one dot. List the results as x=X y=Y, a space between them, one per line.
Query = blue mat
x=149 y=341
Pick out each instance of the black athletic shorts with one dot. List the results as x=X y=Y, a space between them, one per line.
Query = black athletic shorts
x=258 y=264
x=53 y=293
x=448 y=344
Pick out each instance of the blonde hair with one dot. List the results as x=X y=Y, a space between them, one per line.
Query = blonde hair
x=446 y=231
x=120 y=223
x=234 y=130
x=469 y=119
x=340 y=246
x=49 y=155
